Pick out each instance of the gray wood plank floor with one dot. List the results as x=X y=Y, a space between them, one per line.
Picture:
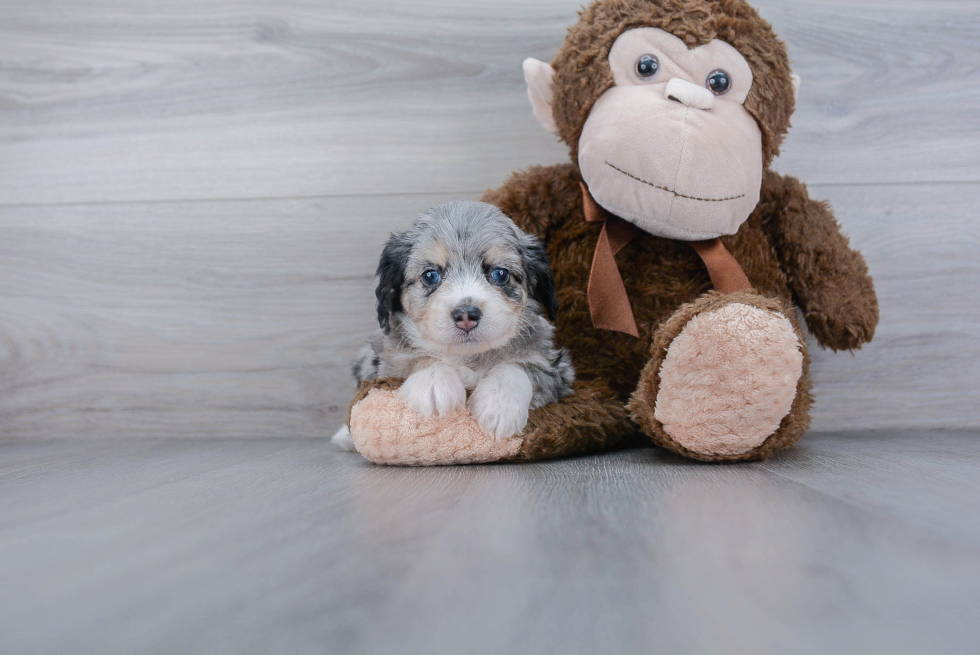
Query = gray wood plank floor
x=850 y=543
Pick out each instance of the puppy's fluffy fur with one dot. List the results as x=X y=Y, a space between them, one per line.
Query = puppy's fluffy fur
x=462 y=298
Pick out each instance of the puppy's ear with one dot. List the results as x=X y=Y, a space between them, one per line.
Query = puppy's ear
x=391 y=278
x=540 y=284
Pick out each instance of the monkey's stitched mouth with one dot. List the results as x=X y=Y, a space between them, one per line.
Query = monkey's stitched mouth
x=663 y=188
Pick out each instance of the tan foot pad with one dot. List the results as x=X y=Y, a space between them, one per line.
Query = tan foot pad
x=728 y=379
x=385 y=431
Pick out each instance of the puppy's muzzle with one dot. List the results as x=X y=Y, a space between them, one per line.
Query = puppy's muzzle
x=467 y=317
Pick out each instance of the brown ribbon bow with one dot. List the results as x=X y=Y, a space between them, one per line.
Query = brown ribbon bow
x=608 y=302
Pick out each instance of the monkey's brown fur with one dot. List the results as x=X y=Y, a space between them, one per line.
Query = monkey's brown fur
x=790 y=248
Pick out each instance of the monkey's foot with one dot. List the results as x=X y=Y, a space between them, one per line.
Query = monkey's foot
x=727 y=380
x=386 y=431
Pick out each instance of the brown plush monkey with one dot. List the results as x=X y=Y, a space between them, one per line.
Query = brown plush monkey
x=678 y=256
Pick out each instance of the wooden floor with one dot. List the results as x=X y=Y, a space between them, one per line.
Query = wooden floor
x=849 y=543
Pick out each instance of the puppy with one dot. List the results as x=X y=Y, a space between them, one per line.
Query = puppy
x=462 y=299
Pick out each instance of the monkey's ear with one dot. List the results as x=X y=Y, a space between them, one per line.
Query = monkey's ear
x=540 y=283
x=391 y=278
x=797 y=80
x=541 y=90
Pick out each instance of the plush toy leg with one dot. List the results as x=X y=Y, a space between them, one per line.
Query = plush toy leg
x=386 y=431
x=728 y=380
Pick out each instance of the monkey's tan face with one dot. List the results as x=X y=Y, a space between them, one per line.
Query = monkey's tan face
x=670 y=147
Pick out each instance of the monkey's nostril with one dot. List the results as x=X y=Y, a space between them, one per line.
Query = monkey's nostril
x=467 y=317
x=688 y=94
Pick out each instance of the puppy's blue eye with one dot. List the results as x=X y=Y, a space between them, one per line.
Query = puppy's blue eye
x=500 y=275
x=431 y=278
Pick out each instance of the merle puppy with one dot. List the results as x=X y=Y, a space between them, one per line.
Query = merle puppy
x=462 y=299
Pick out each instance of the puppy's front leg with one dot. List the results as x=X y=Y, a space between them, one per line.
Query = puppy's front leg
x=436 y=389
x=501 y=399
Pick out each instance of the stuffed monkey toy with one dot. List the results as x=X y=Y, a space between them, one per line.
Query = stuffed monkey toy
x=679 y=257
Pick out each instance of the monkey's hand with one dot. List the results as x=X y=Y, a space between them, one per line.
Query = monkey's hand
x=829 y=280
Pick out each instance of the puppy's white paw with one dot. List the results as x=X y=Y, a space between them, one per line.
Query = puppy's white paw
x=500 y=401
x=435 y=390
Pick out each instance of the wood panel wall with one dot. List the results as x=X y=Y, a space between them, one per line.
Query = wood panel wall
x=193 y=195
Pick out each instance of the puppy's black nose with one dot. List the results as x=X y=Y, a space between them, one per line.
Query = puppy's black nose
x=466 y=317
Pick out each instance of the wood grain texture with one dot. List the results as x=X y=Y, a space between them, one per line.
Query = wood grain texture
x=847 y=543
x=923 y=367
x=240 y=318
x=110 y=100
x=209 y=309
x=177 y=318
x=193 y=197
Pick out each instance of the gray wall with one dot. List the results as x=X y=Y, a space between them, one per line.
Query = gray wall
x=193 y=195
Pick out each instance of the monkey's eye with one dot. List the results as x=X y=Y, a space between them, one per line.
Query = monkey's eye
x=647 y=67
x=500 y=275
x=719 y=82
x=431 y=277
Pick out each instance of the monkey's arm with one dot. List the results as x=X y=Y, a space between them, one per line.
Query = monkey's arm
x=538 y=197
x=829 y=280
